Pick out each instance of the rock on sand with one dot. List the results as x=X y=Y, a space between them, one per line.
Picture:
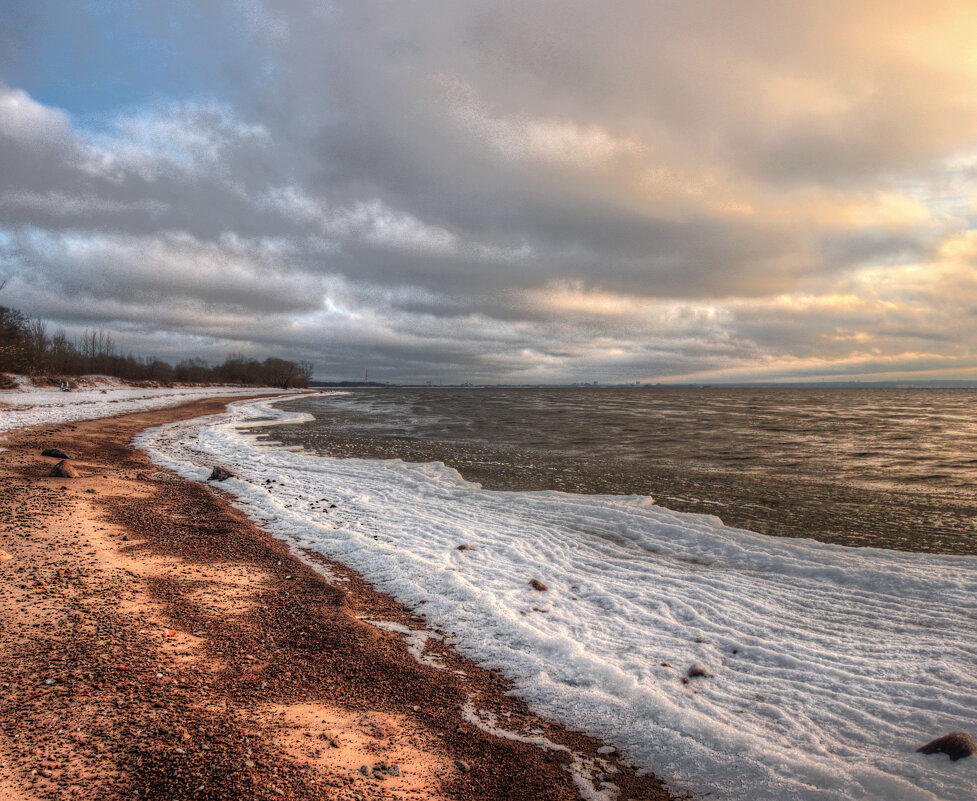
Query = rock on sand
x=62 y=470
x=56 y=453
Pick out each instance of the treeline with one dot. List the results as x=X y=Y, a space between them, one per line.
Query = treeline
x=27 y=348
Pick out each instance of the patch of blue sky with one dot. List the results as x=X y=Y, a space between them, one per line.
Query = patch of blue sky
x=97 y=57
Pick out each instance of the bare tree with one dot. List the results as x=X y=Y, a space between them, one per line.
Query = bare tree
x=13 y=340
x=38 y=347
x=26 y=347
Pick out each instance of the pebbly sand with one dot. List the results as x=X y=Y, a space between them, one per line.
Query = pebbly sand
x=156 y=644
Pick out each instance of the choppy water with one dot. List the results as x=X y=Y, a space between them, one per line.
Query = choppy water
x=878 y=438
x=891 y=468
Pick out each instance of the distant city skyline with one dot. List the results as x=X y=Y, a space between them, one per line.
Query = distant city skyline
x=544 y=192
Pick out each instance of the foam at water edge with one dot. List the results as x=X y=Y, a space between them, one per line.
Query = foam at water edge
x=828 y=665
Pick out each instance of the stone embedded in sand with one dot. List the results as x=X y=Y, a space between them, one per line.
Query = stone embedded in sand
x=56 y=453
x=142 y=477
x=4 y=556
x=698 y=670
x=538 y=585
x=220 y=474
x=956 y=745
x=62 y=470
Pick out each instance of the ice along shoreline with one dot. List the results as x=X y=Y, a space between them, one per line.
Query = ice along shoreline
x=827 y=666
x=228 y=654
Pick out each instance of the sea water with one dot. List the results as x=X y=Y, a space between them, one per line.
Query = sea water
x=920 y=439
x=862 y=467
x=826 y=666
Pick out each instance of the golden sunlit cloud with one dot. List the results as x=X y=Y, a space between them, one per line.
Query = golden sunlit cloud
x=504 y=191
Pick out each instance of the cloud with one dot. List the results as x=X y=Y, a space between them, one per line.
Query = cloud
x=187 y=138
x=26 y=122
x=521 y=139
x=549 y=191
x=61 y=204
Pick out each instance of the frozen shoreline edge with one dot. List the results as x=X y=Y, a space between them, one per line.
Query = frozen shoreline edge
x=894 y=559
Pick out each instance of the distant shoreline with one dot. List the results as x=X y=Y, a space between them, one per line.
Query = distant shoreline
x=904 y=385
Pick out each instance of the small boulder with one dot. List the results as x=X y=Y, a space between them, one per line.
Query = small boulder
x=142 y=477
x=698 y=671
x=538 y=585
x=4 y=556
x=220 y=474
x=56 y=453
x=956 y=745
x=465 y=547
x=62 y=470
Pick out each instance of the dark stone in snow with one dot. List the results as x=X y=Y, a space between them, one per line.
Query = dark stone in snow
x=538 y=585
x=956 y=745
x=697 y=670
x=220 y=474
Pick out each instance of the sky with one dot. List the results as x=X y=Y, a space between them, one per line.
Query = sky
x=486 y=191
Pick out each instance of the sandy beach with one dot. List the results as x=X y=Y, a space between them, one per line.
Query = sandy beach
x=157 y=644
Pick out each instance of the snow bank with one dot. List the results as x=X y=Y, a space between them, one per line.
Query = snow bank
x=29 y=406
x=828 y=665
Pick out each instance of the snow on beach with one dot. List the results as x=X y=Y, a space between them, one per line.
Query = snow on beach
x=827 y=666
x=104 y=397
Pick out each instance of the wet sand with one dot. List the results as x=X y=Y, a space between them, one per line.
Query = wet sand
x=156 y=644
